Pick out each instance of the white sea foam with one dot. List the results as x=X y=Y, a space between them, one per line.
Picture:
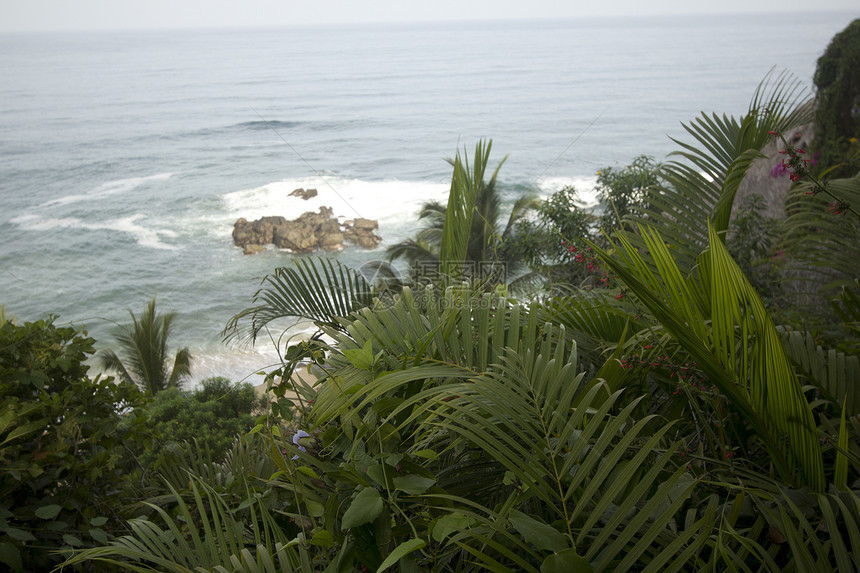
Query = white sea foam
x=107 y=189
x=236 y=365
x=244 y=365
x=144 y=236
x=585 y=187
x=33 y=222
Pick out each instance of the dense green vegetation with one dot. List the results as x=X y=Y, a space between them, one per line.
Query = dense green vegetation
x=210 y=416
x=485 y=229
x=678 y=392
x=837 y=118
x=65 y=442
x=79 y=453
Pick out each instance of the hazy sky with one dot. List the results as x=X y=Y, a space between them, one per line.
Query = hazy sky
x=27 y=15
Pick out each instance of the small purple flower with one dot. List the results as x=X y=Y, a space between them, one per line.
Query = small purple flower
x=296 y=437
x=779 y=170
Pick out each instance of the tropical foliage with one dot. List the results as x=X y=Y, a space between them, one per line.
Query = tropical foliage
x=62 y=439
x=143 y=358
x=823 y=252
x=702 y=179
x=474 y=214
x=623 y=190
x=550 y=242
x=837 y=117
x=555 y=242
x=659 y=414
x=212 y=416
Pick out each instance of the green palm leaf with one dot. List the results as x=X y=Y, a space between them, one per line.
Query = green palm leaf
x=222 y=543
x=824 y=247
x=577 y=467
x=144 y=353
x=834 y=373
x=722 y=323
x=423 y=337
x=702 y=185
x=838 y=513
x=424 y=248
x=462 y=199
x=318 y=289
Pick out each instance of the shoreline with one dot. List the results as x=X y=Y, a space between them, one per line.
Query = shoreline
x=302 y=374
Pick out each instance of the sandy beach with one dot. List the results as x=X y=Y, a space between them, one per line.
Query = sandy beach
x=302 y=375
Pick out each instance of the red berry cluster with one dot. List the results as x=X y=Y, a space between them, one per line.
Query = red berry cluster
x=586 y=257
x=839 y=207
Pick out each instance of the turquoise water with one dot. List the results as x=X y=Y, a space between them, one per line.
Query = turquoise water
x=125 y=158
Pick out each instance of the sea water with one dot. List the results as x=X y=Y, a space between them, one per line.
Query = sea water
x=126 y=157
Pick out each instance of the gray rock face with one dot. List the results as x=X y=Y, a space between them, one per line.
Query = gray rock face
x=259 y=232
x=304 y=193
x=253 y=249
x=309 y=233
x=361 y=232
x=765 y=177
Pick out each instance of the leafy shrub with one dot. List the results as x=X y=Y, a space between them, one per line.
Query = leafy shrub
x=213 y=415
x=622 y=191
x=837 y=117
x=62 y=450
x=555 y=242
x=545 y=241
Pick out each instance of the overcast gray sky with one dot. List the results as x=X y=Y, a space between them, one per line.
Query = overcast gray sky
x=33 y=15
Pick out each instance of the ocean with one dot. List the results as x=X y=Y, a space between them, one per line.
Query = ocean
x=126 y=157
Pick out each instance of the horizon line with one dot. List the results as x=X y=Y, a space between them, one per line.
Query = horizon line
x=186 y=27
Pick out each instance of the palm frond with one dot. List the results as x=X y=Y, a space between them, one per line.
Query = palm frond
x=596 y=320
x=143 y=346
x=823 y=246
x=722 y=323
x=424 y=247
x=318 y=289
x=416 y=251
x=581 y=467
x=838 y=516
x=520 y=209
x=221 y=543
x=847 y=307
x=108 y=360
x=181 y=367
x=467 y=182
x=421 y=336
x=834 y=373
x=702 y=184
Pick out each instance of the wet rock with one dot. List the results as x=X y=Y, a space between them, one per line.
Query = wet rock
x=253 y=249
x=361 y=232
x=259 y=232
x=303 y=193
x=308 y=233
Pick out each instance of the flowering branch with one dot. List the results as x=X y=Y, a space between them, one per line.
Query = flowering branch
x=798 y=168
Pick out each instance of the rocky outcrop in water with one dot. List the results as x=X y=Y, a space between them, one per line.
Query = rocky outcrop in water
x=362 y=232
x=303 y=193
x=309 y=233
